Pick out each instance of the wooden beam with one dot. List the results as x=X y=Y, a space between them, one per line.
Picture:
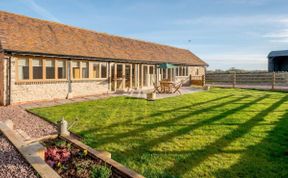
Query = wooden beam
x=142 y=73
x=56 y=69
x=135 y=75
x=138 y=76
x=115 y=76
x=30 y=69
x=100 y=70
x=131 y=76
x=148 y=76
x=90 y=69
x=16 y=69
x=109 y=75
x=80 y=66
x=123 y=77
x=43 y=68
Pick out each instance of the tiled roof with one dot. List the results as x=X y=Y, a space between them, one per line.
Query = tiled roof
x=25 y=34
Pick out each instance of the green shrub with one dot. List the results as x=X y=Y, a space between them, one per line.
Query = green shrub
x=100 y=172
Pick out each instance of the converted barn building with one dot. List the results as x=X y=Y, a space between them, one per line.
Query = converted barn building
x=278 y=61
x=43 y=60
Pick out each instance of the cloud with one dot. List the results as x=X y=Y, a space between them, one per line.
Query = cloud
x=248 y=61
x=41 y=10
x=237 y=58
x=278 y=36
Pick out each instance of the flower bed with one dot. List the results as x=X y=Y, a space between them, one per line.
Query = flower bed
x=70 y=161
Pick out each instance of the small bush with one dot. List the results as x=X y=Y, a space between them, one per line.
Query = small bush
x=100 y=172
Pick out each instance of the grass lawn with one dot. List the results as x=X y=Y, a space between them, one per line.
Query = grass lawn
x=220 y=133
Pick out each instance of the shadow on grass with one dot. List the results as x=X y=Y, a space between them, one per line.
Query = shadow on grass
x=176 y=170
x=165 y=123
x=160 y=113
x=266 y=159
x=182 y=166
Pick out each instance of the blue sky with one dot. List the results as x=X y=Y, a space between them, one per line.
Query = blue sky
x=225 y=33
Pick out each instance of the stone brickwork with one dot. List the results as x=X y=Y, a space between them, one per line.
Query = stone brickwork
x=192 y=70
x=82 y=88
x=37 y=91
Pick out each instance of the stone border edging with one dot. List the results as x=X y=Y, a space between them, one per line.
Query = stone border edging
x=106 y=157
x=102 y=155
x=31 y=152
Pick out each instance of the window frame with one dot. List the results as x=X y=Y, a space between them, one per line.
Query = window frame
x=17 y=67
x=100 y=71
x=43 y=60
x=67 y=68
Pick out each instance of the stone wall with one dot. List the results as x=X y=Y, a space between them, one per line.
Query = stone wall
x=49 y=90
x=192 y=70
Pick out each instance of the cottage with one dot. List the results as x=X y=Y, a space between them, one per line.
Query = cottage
x=43 y=60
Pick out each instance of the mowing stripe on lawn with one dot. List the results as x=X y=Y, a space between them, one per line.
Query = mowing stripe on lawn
x=147 y=127
x=224 y=141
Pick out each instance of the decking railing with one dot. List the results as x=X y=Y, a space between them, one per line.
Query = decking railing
x=263 y=80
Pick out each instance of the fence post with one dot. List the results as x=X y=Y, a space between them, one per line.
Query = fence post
x=273 y=80
x=234 y=79
x=203 y=80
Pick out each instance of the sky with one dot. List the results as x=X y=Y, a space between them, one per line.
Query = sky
x=224 y=33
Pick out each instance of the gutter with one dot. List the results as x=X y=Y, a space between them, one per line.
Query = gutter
x=15 y=52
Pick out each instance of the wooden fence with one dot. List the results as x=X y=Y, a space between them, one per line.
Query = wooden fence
x=197 y=80
x=263 y=80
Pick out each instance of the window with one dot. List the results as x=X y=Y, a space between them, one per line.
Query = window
x=85 y=69
x=37 y=65
x=95 y=70
x=75 y=69
x=186 y=71
x=61 y=65
x=151 y=70
x=197 y=71
x=180 y=71
x=50 y=69
x=164 y=73
x=103 y=70
x=41 y=69
x=23 y=69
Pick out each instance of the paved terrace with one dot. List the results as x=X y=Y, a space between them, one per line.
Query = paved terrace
x=134 y=93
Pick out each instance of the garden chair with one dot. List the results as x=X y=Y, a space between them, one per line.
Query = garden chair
x=177 y=87
x=156 y=88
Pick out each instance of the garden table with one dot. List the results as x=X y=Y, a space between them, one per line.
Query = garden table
x=166 y=86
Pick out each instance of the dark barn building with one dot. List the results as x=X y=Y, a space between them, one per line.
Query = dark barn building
x=278 y=61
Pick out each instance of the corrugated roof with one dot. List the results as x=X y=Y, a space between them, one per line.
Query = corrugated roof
x=25 y=34
x=278 y=53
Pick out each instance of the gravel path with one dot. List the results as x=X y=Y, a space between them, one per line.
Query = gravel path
x=12 y=164
x=34 y=126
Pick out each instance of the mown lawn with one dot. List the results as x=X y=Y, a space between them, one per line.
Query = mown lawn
x=220 y=133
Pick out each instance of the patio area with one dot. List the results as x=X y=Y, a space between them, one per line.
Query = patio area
x=142 y=93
